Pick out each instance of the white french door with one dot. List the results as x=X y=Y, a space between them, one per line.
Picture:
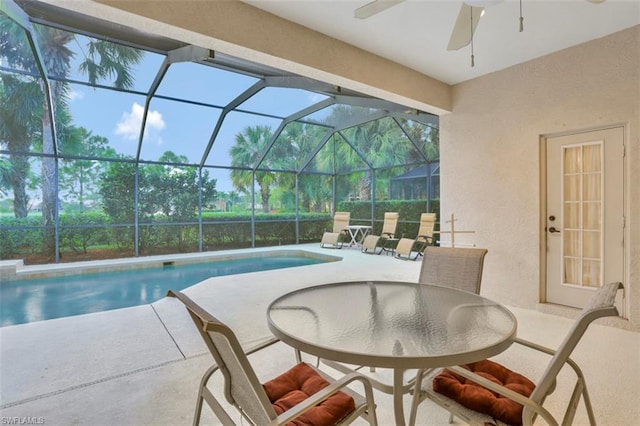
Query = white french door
x=584 y=215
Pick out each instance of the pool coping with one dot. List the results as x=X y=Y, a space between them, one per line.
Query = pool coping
x=16 y=270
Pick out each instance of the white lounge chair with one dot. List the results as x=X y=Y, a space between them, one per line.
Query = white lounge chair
x=336 y=238
x=372 y=243
x=407 y=246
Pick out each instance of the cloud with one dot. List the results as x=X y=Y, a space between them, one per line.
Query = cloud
x=316 y=97
x=73 y=95
x=130 y=122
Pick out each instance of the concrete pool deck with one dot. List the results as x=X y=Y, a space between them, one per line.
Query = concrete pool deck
x=142 y=365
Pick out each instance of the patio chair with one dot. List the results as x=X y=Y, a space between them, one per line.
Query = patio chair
x=455 y=267
x=497 y=395
x=372 y=243
x=302 y=395
x=337 y=236
x=406 y=246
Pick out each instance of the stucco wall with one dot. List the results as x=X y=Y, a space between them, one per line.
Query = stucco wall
x=490 y=148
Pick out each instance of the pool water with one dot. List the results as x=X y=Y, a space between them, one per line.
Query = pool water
x=55 y=297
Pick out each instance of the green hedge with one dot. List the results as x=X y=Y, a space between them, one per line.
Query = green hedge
x=82 y=233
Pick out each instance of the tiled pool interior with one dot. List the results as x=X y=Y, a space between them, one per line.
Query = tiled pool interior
x=62 y=292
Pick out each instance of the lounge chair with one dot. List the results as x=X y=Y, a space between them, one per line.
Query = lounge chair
x=512 y=398
x=336 y=238
x=407 y=246
x=303 y=395
x=372 y=243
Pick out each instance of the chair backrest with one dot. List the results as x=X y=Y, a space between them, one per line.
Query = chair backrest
x=600 y=305
x=456 y=267
x=341 y=221
x=390 y=223
x=427 y=224
x=241 y=385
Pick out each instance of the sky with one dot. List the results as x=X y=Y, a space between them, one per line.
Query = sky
x=182 y=128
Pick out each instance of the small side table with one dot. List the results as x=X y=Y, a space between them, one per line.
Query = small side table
x=357 y=234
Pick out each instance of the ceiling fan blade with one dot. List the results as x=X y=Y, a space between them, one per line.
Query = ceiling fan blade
x=376 y=6
x=463 y=30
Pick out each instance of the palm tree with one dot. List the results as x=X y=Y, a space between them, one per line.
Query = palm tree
x=249 y=147
x=103 y=60
x=17 y=126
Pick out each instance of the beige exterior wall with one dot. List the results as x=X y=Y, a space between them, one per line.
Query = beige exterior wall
x=490 y=155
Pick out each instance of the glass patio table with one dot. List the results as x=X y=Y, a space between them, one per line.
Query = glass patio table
x=391 y=324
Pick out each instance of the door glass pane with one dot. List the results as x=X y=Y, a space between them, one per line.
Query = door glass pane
x=582 y=214
x=572 y=188
x=572 y=215
x=591 y=246
x=592 y=159
x=591 y=273
x=571 y=271
x=572 y=160
x=571 y=243
x=591 y=215
x=592 y=187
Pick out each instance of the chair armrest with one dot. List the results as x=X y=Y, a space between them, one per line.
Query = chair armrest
x=533 y=345
x=270 y=341
x=549 y=351
x=514 y=396
x=325 y=393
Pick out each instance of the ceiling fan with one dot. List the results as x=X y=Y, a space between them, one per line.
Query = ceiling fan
x=465 y=25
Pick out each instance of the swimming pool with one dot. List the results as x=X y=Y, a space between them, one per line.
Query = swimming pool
x=68 y=295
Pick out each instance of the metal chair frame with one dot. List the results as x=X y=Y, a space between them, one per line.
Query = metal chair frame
x=421 y=241
x=375 y=242
x=601 y=305
x=335 y=239
x=242 y=388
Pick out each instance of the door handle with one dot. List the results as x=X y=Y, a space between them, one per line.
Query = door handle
x=553 y=230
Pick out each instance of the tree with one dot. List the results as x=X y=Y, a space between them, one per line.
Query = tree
x=163 y=189
x=296 y=142
x=117 y=186
x=103 y=60
x=249 y=146
x=18 y=127
x=174 y=190
x=427 y=137
x=79 y=177
x=381 y=142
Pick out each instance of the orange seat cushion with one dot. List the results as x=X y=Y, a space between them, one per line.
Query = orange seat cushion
x=480 y=399
x=296 y=385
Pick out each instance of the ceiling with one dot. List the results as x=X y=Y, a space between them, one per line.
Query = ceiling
x=415 y=33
